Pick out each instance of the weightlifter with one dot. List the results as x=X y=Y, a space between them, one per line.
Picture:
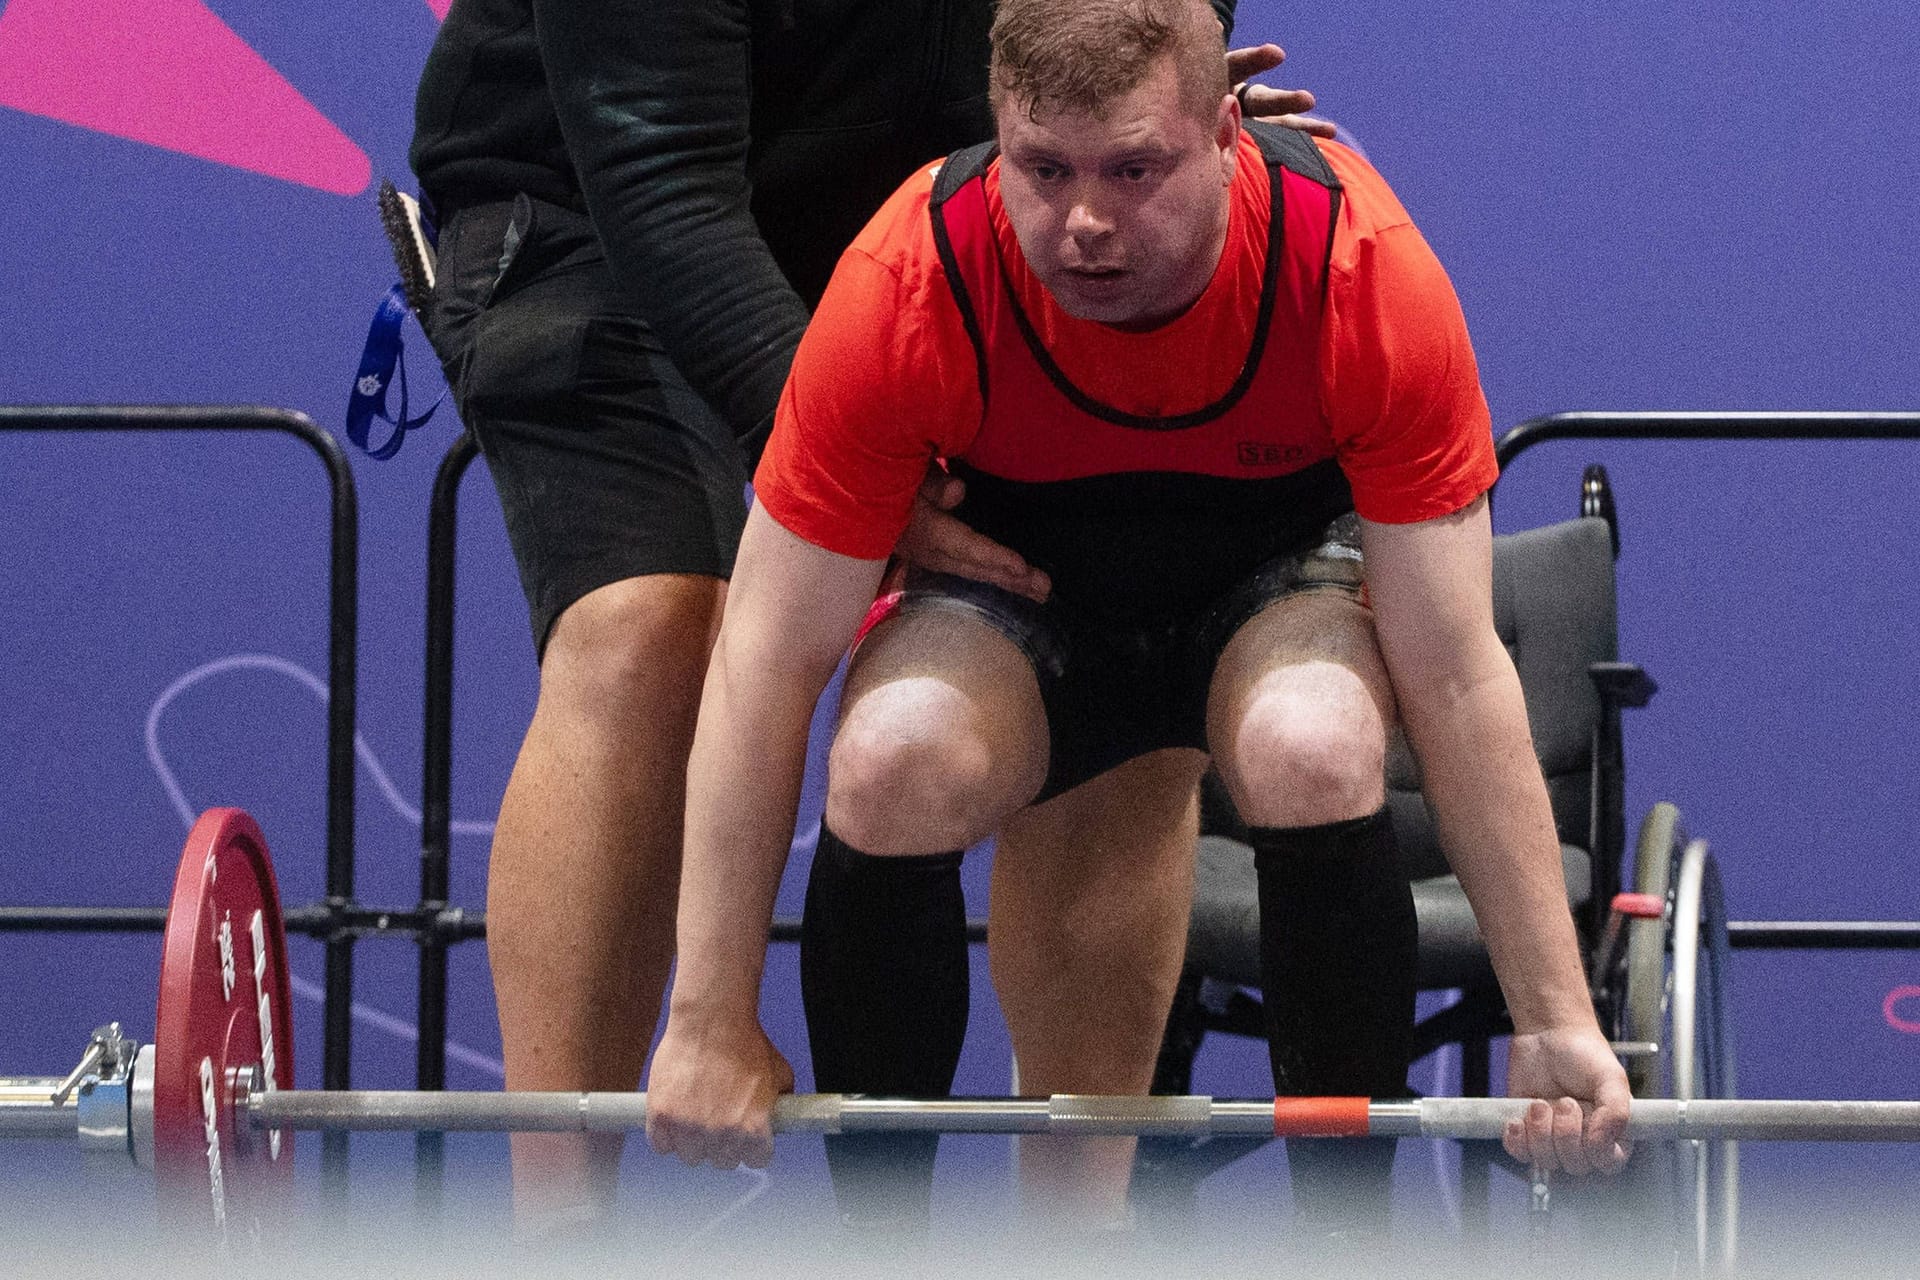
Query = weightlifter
x=1213 y=382
x=640 y=201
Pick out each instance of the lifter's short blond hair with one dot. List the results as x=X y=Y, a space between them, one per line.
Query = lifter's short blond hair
x=1083 y=55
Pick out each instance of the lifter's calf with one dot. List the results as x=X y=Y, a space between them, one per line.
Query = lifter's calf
x=585 y=865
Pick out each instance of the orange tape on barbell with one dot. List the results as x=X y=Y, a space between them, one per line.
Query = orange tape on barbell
x=1320 y=1118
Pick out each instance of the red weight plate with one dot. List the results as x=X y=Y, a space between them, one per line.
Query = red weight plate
x=223 y=1008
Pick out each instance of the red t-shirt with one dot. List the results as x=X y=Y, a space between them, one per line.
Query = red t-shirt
x=885 y=379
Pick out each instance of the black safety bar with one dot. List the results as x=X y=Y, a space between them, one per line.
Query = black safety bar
x=1705 y=426
x=1824 y=935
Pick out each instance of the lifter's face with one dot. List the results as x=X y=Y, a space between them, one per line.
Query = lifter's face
x=1122 y=215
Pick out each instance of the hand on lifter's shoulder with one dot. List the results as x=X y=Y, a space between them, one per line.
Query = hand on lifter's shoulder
x=1284 y=107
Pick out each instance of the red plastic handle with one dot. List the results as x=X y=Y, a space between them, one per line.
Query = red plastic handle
x=1641 y=906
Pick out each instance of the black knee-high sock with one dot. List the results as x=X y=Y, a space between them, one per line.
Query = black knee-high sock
x=883 y=977
x=1338 y=943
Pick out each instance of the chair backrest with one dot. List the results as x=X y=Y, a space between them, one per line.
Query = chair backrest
x=1554 y=607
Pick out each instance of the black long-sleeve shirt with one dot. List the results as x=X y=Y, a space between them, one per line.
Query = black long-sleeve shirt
x=726 y=150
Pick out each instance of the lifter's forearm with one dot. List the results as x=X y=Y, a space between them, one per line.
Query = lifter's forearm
x=743 y=787
x=1480 y=773
x=790 y=611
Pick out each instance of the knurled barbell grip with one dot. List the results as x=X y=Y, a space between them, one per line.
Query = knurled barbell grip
x=494 y=1112
x=793 y=1113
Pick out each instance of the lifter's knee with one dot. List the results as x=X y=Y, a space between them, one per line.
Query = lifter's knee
x=909 y=773
x=632 y=651
x=1306 y=746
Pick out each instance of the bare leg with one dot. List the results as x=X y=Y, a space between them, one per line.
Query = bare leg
x=1091 y=893
x=586 y=865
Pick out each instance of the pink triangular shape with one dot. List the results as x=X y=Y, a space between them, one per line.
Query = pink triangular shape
x=440 y=8
x=171 y=74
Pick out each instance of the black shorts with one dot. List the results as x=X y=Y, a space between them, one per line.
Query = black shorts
x=1112 y=694
x=608 y=464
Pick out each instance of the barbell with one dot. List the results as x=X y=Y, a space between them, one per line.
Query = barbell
x=209 y=1105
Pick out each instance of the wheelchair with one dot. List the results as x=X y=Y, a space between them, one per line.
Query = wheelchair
x=1656 y=953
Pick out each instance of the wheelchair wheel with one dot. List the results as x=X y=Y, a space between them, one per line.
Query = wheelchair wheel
x=1674 y=1005
x=1644 y=1004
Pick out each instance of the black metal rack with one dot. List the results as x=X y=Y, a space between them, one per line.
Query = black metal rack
x=339 y=921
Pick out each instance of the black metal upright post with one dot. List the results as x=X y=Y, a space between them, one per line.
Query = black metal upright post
x=436 y=786
x=342 y=708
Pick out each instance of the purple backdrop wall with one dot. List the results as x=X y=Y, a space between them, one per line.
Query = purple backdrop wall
x=1643 y=205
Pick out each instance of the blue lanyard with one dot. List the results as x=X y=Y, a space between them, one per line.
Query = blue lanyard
x=383 y=361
